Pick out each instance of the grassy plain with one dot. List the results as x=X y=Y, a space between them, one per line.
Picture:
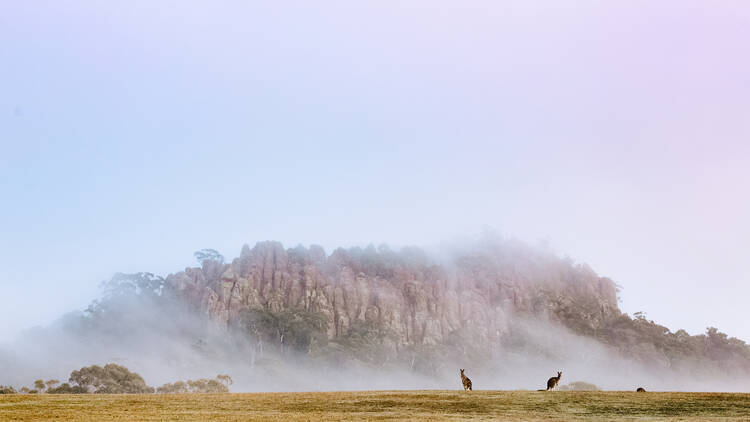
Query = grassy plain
x=380 y=405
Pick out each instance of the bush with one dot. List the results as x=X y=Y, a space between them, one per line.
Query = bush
x=178 y=387
x=7 y=389
x=579 y=386
x=110 y=379
x=67 y=389
x=207 y=386
x=196 y=386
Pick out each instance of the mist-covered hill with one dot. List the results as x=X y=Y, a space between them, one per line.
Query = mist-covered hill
x=298 y=318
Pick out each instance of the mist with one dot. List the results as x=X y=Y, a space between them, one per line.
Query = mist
x=129 y=145
x=133 y=135
x=165 y=337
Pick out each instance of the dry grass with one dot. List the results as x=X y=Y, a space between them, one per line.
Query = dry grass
x=380 y=405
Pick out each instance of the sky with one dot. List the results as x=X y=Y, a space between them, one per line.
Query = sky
x=135 y=133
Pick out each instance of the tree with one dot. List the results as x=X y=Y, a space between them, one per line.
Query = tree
x=197 y=386
x=208 y=255
x=178 y=387
x=7 y=389
x=367 y=340
x=579 y=386
x=66 y=388
x=296 y=329
x=128 y=301
x=51 y=384
x=226 y=379
x=207 y=386
x=39 y=385
x=110 y=379
x=122 y=284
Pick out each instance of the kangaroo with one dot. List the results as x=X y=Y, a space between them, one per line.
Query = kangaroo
x=552 y=382
x=641 y=390
x=466 y=381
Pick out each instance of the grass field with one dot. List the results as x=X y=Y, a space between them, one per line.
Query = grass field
x=380 y=405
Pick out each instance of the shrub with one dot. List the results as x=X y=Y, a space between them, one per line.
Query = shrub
x=110 y=379
x=579 y=386
x=66 y=388
x=197 y=386
x=7 y=389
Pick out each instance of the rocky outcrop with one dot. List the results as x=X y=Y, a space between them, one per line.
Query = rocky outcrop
x=421 y=301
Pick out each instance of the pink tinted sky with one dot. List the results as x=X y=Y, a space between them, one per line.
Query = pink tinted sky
x=134 y=134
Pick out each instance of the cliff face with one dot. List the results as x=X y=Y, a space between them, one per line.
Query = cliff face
x=475 y=293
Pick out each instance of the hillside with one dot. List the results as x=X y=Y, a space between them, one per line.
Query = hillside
x=477 y=300
x=413 y=299
x=281 y=319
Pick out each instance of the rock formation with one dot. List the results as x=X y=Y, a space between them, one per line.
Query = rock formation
x=420 y=300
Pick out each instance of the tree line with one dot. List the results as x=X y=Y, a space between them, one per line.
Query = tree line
x=117 y=379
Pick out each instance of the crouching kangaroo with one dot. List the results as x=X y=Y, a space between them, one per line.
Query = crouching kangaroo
x=552 y=382
x=465 y=381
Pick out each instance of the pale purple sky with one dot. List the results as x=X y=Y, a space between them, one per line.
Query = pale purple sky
x=135 y=133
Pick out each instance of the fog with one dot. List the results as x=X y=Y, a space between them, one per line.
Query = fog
x=133 y=135
x=166 y=342
x=614 y=134
x=51 y=354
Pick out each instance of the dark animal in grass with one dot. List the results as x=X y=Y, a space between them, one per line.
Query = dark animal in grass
x=641 y=390
x=465 y=381
x=552 y=382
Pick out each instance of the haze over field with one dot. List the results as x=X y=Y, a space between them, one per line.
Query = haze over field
x=133 y=135
x=300 y=319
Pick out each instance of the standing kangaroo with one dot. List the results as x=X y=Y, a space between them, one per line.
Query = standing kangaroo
x=552 y=382
x=465 y=381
